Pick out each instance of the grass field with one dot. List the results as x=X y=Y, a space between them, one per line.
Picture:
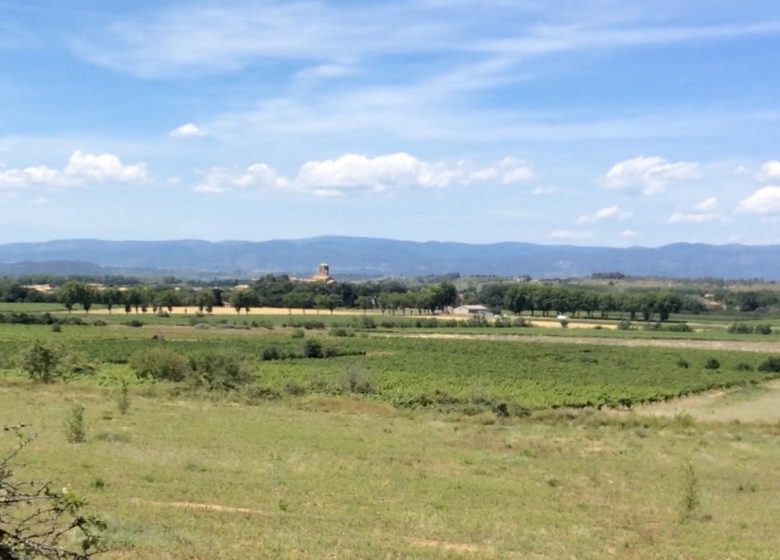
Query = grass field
x=408 y=447
x=341 y=478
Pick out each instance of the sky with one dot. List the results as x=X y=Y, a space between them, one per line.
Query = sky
x=604 y=122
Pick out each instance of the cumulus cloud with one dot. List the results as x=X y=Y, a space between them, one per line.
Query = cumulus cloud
x=355 y=172
x=188 y=130
x=628 y=233
x=221 y=179
x=610 y=213
x=82 y=169
x=103 y=168
x=763 y=202
x=649 y=175
x=769 y=171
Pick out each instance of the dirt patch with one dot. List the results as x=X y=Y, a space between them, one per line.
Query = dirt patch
x=195 y=505
x=737 y=345
x=757 y=403
x=448 y=546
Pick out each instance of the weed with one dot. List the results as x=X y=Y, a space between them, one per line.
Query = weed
x=76 y=425
x=123 y=398
x=690 y=493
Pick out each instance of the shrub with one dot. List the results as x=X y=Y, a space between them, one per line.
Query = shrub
x=678 y=327
x=298 y=333
x=271 y=353
x=739 y=328
x=40 y=361
x=220 y=371
x=75 y=364
x=312 y=348
x=742 y=366
x=770 y=365
x=294 y=388
x=134 y=323
x=712 y=363
x=520 y=322
x=624 y=325
x=56 y=328
x=341 y=332
x=75 y=425
x=160 y=363
x=762 y=329
x=356 y=382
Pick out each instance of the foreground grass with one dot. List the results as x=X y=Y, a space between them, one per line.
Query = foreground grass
x=341 y=478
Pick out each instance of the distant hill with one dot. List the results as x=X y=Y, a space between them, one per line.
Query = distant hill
x=386 y=257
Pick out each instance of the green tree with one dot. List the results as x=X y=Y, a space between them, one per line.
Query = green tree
x=242 y=299
x=40 y=361
x=69 y=294
x=112 y=296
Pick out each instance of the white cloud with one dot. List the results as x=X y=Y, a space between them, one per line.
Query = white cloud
x=610 y=213
x=769 y=171
x=355 y=172
x=649 y=175
x=763 y=202
x=707 y=204
x=81 y=169
x=39 y=201
x=628 y=233
x=188 y=130
x=103 y=168
x=692 y=217
x=220 y=179
x=569 y=235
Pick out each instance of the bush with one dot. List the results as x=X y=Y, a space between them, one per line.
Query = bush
x=624 y=325
x=742 y=366
x=56 y=328
x=220 y=371
x=762 y=329
x=678 y=327
x=739 y=328
x=340 y=332
x=312 y=348
x=298 y=333
x=41 y=362
x=712 y=363
x=160 y=363
x=271 y=353
x=356 y=382
x=770 y=365
x=134 y=323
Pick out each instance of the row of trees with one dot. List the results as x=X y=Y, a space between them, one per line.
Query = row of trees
x=391 y=296
x=546 y=299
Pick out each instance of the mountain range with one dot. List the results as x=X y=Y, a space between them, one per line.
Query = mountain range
x=372 y=257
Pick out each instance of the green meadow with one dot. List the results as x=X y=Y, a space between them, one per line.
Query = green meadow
x=346 y=441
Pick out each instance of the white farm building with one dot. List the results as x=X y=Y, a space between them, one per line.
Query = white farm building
x=472 y=311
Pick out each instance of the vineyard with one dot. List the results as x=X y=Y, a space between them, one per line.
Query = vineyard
x=506 y=376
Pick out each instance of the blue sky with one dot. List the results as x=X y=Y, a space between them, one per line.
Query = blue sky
x=612 y=123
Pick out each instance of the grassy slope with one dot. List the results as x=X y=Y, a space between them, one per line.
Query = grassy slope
x=333 y=478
